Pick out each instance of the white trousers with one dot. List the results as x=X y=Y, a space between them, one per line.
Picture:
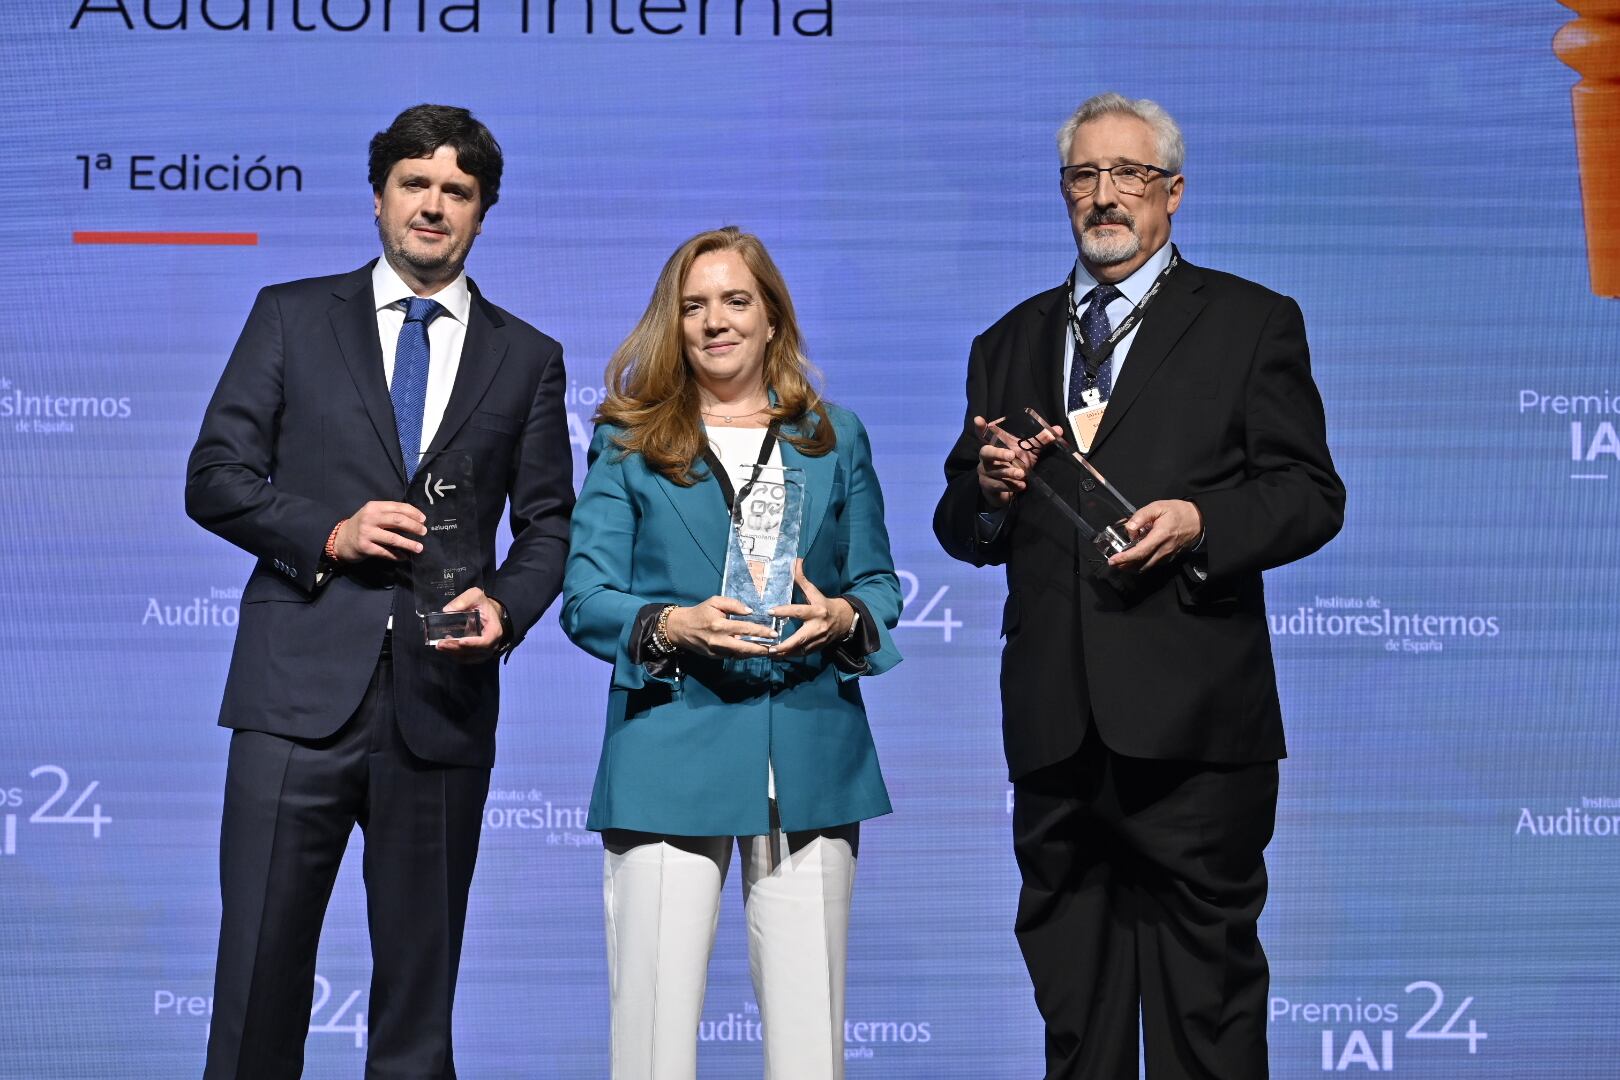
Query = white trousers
x=662 y=900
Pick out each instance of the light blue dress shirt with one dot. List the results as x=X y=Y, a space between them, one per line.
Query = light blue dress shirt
x=1131 y=290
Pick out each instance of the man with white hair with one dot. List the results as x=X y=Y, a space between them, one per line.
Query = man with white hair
x=1140 y=712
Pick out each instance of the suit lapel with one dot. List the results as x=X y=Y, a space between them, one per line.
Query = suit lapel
x=354 y=321
x=702 y=508
x=482 y=351
x=818 y=478
x=1049 y=336
x=1163 y=324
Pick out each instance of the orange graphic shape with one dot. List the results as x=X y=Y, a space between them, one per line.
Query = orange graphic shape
x=1591 y=45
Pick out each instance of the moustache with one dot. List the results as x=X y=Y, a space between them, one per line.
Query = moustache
x=1111 y=216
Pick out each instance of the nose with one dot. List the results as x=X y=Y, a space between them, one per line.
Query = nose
x=1106 y=194
x=432 y=205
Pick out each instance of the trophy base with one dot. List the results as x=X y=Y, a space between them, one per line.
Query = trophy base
x=1112 y=540
x=769 y=621
x=439 y=625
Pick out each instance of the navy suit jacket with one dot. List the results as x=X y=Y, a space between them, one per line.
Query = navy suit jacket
x=299 y=434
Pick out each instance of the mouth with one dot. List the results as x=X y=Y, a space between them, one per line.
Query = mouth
x=721 y=347
x=421 y=231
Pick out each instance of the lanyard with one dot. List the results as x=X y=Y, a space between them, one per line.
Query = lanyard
x=735 y=499
x=1092 y=362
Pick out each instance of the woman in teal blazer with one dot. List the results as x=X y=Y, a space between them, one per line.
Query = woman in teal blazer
x=711 y=735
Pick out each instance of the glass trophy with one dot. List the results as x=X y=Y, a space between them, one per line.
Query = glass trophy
x=447 y=565
x=1098 y=510
x=764 y=542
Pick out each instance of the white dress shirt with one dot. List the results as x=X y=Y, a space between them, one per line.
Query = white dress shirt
x=445 y=337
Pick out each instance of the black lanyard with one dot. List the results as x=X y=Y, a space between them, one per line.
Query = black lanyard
x=1091 y=361
x=734 y=499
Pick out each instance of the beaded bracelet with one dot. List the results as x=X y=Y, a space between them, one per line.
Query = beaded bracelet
x=660 y=635
x=330 y=550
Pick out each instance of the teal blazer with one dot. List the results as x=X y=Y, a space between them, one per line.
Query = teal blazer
x=686 y=754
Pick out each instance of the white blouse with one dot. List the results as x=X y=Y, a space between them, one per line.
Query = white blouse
x=738 y=450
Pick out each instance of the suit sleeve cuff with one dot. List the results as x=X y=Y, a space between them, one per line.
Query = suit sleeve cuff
x=509 y=638
x=641 y=646
x=850 y=655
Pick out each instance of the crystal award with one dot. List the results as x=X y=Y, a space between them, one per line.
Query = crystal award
x=447 y=565
x=1097 y=509
x=764 y=542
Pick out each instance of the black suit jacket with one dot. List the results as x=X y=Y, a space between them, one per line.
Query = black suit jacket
x=299 y=434
x=1214 y=404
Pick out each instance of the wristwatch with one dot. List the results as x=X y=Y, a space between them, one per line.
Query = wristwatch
x=508 y=632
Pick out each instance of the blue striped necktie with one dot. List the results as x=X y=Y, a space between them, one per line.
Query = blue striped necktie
x=409 y=389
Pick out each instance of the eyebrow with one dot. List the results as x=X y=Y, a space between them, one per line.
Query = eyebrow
x=727 y=295
x=449 y=185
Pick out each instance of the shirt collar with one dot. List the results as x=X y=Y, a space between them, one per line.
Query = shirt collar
x=390 y=290
x=1132 y=288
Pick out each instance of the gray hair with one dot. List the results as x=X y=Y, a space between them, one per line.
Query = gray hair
x=1172 y=151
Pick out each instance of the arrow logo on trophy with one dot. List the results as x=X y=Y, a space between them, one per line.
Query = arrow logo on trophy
x=436 y=488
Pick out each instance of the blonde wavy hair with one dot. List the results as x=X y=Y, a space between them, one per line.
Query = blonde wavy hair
x=651 y=395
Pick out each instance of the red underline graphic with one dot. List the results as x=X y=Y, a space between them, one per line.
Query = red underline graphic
x=211 y=239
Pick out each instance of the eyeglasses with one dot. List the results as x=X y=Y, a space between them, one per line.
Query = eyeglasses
x=1129 y=179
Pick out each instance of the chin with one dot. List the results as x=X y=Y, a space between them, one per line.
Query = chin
x=428 y=260
x=1109 y=252
x=421 y=249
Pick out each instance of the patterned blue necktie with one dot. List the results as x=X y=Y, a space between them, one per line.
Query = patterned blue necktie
x=409 y=389
x=1094 y=330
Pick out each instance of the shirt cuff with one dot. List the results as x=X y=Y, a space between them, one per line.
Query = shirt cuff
x=658 y=665
x=850 y=655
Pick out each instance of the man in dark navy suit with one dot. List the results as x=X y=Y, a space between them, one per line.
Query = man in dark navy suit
x=1140 y=711
x=339 y=390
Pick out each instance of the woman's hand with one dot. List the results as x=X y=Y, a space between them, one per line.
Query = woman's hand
x=824 y=622
x=704 y=629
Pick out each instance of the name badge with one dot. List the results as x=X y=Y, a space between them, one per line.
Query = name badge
x=1084 y=422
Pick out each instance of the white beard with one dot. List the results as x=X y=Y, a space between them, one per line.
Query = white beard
x=1109 y=250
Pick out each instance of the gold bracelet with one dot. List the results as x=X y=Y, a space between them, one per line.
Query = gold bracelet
x=660 y=635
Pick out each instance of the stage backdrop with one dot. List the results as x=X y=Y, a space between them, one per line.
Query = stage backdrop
x=1447 y=860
